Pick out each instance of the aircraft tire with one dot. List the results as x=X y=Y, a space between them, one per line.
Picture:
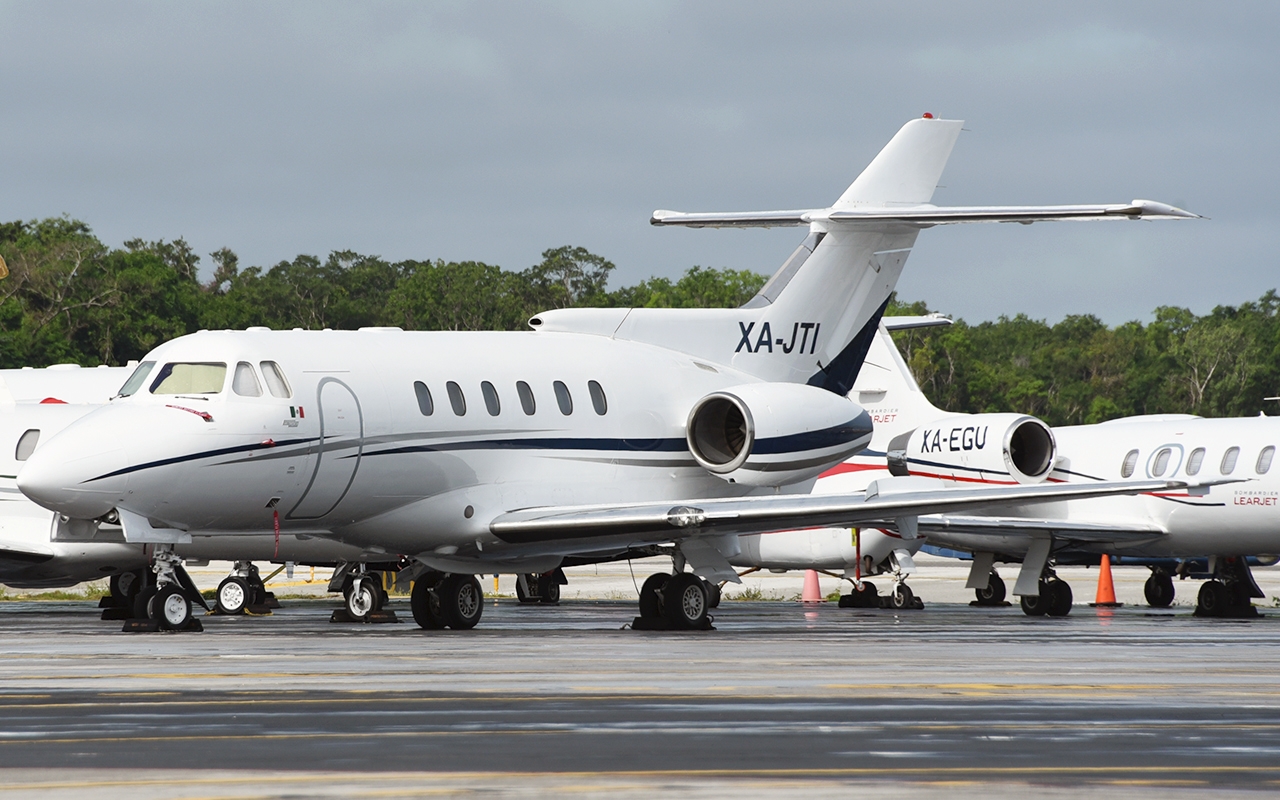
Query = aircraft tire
x=424 y=601
x=1213 y=599
x=363 y=599
x=233 y=595
x=548 y=590
x=125 y=585
x=902 y=596
x=650 y=599
x=684 y=602
x=993 y=593
x=142 y=602
x=1159 y=590
x=171 y=608
x=1036 y=606
x=713 y=594
x=461 y=601
x=1060 y=598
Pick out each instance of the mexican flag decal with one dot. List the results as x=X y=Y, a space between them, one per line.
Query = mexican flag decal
x=295 y=412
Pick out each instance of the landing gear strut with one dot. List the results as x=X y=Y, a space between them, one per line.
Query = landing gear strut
x=166 y=604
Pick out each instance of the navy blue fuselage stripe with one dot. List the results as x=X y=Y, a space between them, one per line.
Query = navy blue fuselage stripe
x=815 y=440
x=225 y=451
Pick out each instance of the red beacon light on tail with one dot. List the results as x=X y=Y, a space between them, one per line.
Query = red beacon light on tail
x=927 y=115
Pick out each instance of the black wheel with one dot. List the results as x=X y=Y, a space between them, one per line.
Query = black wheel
x=521 y=594
x=1060 y=598
x=424 y=601
x=713 y=594
x=364 y=598
x=1213 y=599
x=993 y=593
x=1159 y=589
x=548 y=589
x=461 y=601
x=650 y=599
x=902 y=596
x=1036 y=606
x=684 y=601
x=125 y=585
x=142 y=602
x=171 y=608
x=233 y=595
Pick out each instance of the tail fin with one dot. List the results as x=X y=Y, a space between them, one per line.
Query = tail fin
x=888 y=391
x=815 y=319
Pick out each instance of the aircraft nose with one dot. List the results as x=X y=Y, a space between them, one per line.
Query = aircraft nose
x=80 y=472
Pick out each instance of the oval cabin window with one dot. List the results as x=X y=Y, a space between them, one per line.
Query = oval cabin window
x=1130 y=461
x=425 y=405
x=1264 y=459
x=491 y=403
x=526 y=398
x=456 y=399
x=1195 y=460
x=598 y=401
x=1161 y=463
x=1229 y=460
x=562 y=398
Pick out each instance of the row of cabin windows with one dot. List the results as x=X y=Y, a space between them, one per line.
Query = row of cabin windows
x=493 y=404
x=1196 y=460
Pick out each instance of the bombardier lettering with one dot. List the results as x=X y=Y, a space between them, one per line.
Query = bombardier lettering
x=804 y=338
x=955 y=440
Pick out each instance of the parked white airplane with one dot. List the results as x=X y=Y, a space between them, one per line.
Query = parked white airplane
x=600 y=430
x=914 y=438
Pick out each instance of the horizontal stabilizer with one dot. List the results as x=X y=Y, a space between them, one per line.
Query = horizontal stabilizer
x=906 y=323
x=923 y=216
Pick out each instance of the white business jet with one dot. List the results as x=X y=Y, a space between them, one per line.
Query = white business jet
x=914 y=438
x=598 y=431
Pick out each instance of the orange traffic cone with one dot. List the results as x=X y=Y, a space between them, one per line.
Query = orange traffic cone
x=812 y=592
x=1106 y=596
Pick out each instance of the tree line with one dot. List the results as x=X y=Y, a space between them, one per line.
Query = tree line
x=70 y=298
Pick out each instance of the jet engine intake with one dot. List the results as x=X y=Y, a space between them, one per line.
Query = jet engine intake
x=977 y=448
x=774 y=434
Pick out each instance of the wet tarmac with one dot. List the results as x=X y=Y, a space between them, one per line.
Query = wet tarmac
x=780 y=698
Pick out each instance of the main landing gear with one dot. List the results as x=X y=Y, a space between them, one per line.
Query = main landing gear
x=1159 y=589
x=165 y=604
x=674 y=601
x=545 y=588
x=1230 y=593
x=440 y=600
x=993 y=594
x=243 y=590
x=1054 y=599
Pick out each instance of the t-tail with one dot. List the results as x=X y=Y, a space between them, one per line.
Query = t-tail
x=816 y=318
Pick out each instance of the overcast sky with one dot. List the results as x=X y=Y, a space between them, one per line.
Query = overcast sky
x=493 y=131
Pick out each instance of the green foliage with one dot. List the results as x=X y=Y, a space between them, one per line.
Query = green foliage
x=70 y=298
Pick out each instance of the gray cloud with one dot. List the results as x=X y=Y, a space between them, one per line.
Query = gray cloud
x=496 y=130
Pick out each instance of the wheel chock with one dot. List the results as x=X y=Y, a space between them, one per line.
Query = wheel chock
x=377 y=617
x=986 y=604
x=271 y=601
x=116 y=613
x=661 y=624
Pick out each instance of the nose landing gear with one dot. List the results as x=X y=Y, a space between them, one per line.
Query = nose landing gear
x=166 y=604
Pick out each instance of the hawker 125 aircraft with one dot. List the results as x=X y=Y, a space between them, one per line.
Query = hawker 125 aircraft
x=597 y=431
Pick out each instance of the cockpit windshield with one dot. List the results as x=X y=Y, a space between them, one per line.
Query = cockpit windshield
x=189 y=379
x=136 y=380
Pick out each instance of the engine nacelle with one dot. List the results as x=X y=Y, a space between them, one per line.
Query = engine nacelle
x=773 y=434
x=984 y=448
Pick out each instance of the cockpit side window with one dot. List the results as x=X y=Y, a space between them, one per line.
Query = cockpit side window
x=26 y=445
x=245 y=383
x=276 y=382
x=190 y=378
x=136 y=380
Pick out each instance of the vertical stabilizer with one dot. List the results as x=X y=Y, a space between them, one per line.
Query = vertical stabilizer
x=889 y=392
x=907 y=170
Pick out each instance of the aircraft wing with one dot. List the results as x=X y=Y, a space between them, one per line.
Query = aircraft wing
x=921 y=215
x=22 y=553
x=1002 y=527
x=663 y=522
